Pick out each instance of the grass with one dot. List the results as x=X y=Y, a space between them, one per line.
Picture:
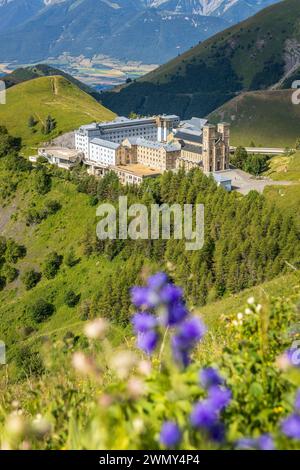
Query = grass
x=267 y=118
x=287 y=198
x=64 y=101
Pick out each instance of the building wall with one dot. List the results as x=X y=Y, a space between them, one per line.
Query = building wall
x=157 y=158
x=102 y=155
x=216 y=147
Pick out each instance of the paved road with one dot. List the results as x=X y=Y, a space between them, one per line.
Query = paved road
x=244 y=182
x=263 y=150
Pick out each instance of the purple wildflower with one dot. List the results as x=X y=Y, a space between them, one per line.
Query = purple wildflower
x=171 y=294
x=143 y=322
x=157 y=281
x=219 y=397
x=139 y=296
x=174 y=314
x=217 y=432
x=148 y=341
x=170 y=435
x=264 y=442
x=291 y=426
x=210 y=377
x=189 y=333
x=204 y=415
x=181 y=356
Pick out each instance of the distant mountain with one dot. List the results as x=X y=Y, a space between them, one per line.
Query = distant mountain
x=260 y=53
x=151 y=31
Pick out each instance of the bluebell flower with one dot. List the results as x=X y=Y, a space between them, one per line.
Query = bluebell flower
x=170 y=435
x=210 y=377
x=291 y=426
x=220 y=397
x=148 y=341
x=143 y=322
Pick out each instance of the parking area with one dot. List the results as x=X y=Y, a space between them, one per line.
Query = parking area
x=244 y=182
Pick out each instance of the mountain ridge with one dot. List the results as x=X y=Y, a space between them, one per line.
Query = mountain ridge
x=149 y=31
x=213 y=72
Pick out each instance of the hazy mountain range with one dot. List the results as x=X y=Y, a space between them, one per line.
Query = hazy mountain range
x=151 y=31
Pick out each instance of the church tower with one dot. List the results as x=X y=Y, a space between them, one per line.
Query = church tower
x=224 y=133
x=208 y=148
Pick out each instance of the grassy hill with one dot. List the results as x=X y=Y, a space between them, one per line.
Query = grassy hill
x=55 y=96
x=255 y=54
x=286 y=197
x=23 y=74
x=254 y=117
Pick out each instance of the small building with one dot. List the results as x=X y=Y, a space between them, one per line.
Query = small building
x=223 y=180
x=62 y=157
x=134 y=173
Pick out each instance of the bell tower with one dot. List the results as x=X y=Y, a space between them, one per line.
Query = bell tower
x=208 y=149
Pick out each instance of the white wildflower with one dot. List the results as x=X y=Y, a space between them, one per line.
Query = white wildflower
x=96 y=329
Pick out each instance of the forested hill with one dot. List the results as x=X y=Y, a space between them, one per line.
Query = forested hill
x=255 y=54
x=54 y=272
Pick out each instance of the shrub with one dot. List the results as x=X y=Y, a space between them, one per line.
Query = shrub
x=31 y=278
x=2 y=245
x=2 y=283
x=40 y=310
x=42 y=182
x=70 y=258
x=10 y=273
x=52 y=265
x=71 y=299
x=14 y=251
x=16 y=163
x=52 y=207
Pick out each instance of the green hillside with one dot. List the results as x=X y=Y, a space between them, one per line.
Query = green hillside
x=287 y=198
x=55 y=96
x=252 y=55
x=267 y=118
x=23 y=74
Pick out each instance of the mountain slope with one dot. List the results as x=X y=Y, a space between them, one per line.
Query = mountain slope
x=24 y=74
x=253 y=55
x=267 y=118
x=152 y=31
x=65 y=102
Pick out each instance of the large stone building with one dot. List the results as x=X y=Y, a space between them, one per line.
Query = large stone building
x=156 y=144
x=156 y=129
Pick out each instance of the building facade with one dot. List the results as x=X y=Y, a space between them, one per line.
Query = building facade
x=103 y=152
